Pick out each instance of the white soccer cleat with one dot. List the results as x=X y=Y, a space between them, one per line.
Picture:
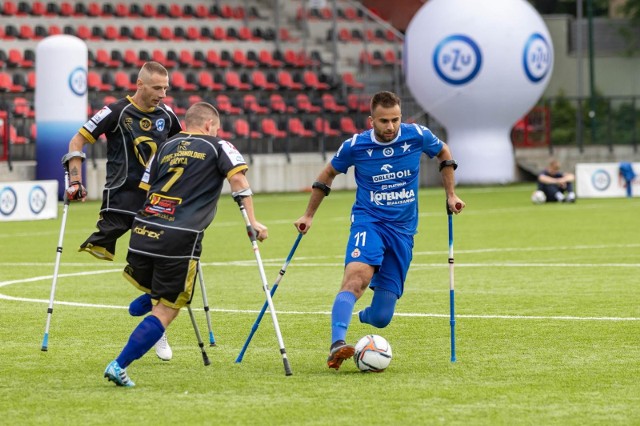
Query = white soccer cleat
x=163 y=350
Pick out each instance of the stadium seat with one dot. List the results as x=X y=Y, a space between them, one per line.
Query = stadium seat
x=103 y=59
x=6 y=84
x=322 y=125
x=93 y=9
x=122 y=81
x=179 y=81
x=206 y=81
x=192 y=33
x=214 y=60
x=311 y=81
x=391 y=57
x=347 y=126
x=25 y=32
x=285 y=81
x=259 y=81
x=278 y=105
x=121 y=10
x=366 y=58
x=148 y=10
x=201 y=11
x=292 y=59
x=269 y=128
x=329 y=103
x=31 y=81
x=296 y=127
x=22 y=107
x=233 y=81
x=54 y=29
x=219 y=34
x=186 y=59
x=266 y=59
x=15 y=59
x=242 y=129
x=251 y=105
x=224 y=105
x=9 y=8
x=239 y=59
x=130 y=58
x=304 y=104
x=159 y=56
x=175 y=11
x=94 y=82
x=350 y=81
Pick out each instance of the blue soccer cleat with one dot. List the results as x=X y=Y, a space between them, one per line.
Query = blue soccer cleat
x=118 y=375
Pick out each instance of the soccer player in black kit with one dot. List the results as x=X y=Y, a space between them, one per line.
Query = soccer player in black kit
x=187 y=176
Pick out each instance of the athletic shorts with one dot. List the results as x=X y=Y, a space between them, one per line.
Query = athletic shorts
x=388 y=251
x=168 y=281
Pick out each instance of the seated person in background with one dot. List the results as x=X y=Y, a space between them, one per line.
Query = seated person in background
x=626 y=177
x=556 y=184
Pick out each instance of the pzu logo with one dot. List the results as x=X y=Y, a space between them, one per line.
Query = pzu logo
x=537 y=58
x=457 y=59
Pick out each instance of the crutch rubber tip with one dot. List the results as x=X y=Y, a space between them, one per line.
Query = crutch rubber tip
x=211 y=345
x=206 y=361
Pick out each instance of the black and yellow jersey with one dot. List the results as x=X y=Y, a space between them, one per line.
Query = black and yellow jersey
x=187 y=176
x=133 y=137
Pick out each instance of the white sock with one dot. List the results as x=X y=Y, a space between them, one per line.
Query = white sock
x=559 y=196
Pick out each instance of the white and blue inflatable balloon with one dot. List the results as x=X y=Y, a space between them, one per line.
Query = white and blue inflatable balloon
x=478 y=68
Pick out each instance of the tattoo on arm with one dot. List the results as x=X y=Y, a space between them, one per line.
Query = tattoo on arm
x=74 y=171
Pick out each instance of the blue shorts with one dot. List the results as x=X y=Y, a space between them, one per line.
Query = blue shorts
x=388 y=251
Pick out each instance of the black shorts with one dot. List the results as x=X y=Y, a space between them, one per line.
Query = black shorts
x=168 y=281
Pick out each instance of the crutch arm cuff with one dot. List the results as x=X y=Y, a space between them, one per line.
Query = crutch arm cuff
x=73 y=154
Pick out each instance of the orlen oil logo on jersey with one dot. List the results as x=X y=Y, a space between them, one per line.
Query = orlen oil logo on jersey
x=388 y=175
x=142 y=230
x=392 y=198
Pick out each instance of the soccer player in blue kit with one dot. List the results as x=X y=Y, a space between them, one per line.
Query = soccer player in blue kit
x=384 y=217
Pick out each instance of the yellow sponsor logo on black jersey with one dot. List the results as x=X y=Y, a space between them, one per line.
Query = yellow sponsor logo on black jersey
x=142 y=230
x=145 y=124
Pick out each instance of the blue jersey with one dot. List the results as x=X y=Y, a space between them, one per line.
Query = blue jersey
x=387 y=174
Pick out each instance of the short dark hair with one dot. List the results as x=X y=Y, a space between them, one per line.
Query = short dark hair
x=385 y=100
x=152 y=67
x=200 y=112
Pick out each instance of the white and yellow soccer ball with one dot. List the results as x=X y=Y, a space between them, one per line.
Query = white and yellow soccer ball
x=538 y=197
x=373 y=353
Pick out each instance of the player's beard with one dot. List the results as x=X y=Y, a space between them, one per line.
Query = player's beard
x=386 y=137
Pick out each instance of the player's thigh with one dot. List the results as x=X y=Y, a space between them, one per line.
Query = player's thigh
x=365 y=245
x=139 y=271
x=114 y=224
x=395 y=265
x=173 y=281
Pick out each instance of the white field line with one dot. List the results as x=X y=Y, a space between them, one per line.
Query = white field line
x=400 y=314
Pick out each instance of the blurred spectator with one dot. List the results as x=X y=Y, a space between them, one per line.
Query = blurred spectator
x=626 y=176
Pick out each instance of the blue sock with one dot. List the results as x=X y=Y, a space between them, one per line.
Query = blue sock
x=341 y=315
x=145 y=335
x=140 y=306
x=380 y=312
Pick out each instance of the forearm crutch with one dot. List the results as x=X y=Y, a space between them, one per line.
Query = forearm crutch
x=256 y=324
x=212 y=340
x=252 y=237
x=45 y=340
x=452 y=318
x=205 y=358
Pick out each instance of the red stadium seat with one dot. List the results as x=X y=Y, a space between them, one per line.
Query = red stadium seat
x=122 y=81
x=31 y=81
x=16 y=59
x=103 y=59
x=270 y=128
x=329 y=103
x=10 y=8
x=311 y=81
x=259 y=81
x=224 y=105
x=94 y=82
x=277 y=104
x=148 y=10
x=350 y=81
x=266 y=59
x=322 y=125
x=186 y=59
x=6 y=84
x=179 y=81
x=175 y=10
x=285 y=80
x=159 y=56
x=367 y=58
x=22 y=107
x=93 y=9
x=304 y=104
x=240 y=59
x=296 y=128
x=347 y=126
x=206 y=81
x=233 y=81
x=121 y=10
x=251 y=105
x=243 y=130
x=214 y=60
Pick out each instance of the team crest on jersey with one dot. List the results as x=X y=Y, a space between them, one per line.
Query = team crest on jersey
x=145 y=124
x=160 y=124
x=183 y=146
x=355 y=253
x=387 y=152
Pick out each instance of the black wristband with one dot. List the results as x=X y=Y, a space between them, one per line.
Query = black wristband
x=448 y=163
x=322 y=187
